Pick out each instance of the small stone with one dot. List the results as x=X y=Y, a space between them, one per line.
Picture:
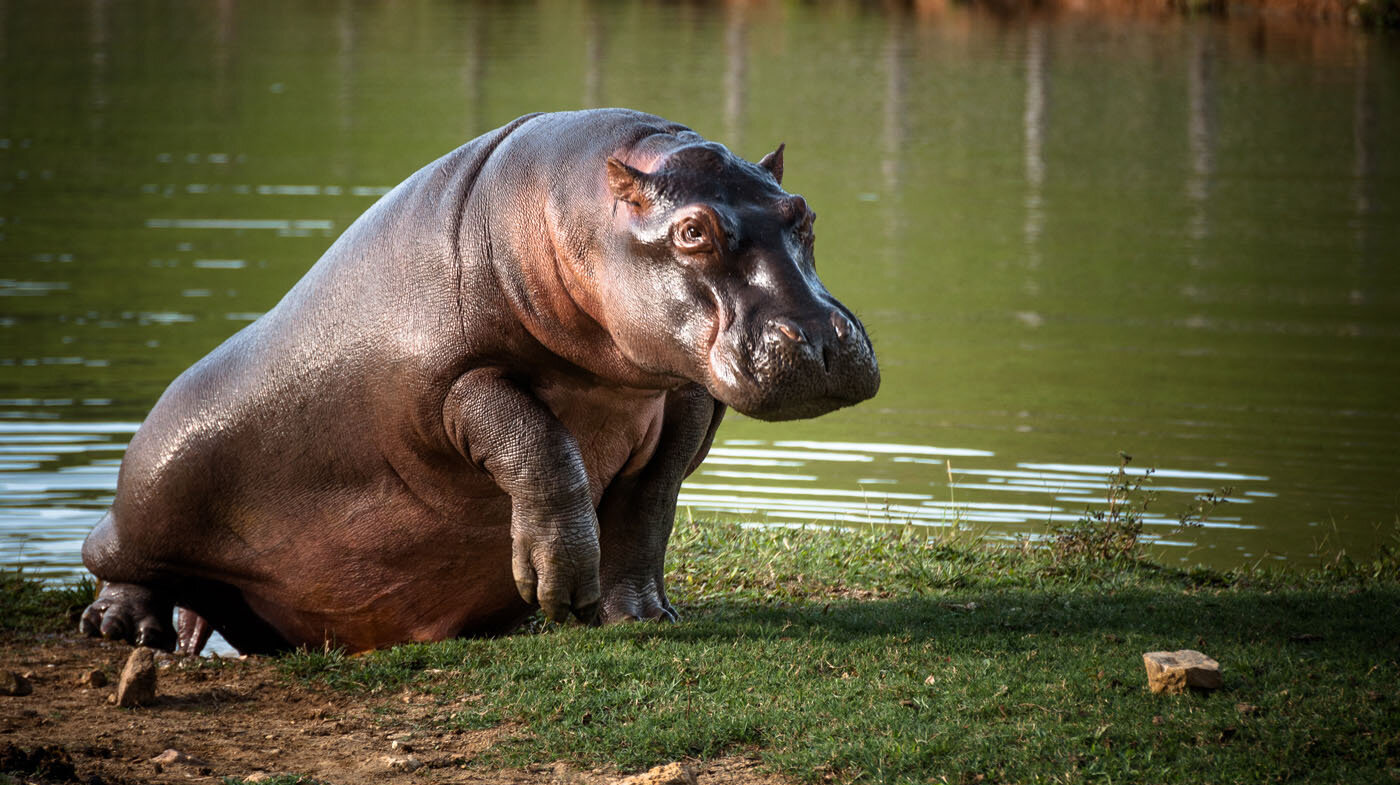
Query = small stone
x=1173 y=671
x=137 y=686
x=408 y=763
x=669 y=774
x=175 y=757
x=12 y=683
x=401 y=746
x=1246 y=708
x=93 y=679
x=258 y=776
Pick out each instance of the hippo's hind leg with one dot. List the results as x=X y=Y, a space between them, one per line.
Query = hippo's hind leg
x=132 y=613
x=130 y=607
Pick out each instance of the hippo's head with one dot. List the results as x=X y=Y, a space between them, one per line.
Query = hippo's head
x=712 y=278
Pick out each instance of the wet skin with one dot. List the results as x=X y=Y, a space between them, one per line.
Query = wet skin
x=483 y=398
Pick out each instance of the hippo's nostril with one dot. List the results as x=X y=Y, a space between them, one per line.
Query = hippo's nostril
x=788 y=329
x=841 y=324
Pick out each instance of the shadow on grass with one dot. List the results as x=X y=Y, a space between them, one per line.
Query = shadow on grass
x=1325 y=621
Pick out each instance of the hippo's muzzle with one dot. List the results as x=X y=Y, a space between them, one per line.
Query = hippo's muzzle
x=789 y=368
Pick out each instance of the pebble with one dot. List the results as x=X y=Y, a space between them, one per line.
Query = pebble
x=669 y=774
x=408 y=763
x=12 y=683
x=93 y=679
x=170 y=757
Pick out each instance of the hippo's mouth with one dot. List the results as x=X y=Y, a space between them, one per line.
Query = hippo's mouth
x=727 y=374
x=771 y=382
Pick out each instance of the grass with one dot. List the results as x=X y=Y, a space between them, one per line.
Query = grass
x=881 y=657
x=884 y=657
x=30 y=605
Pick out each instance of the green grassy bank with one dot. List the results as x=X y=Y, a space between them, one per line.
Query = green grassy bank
x=882 y=657
x=865 y=657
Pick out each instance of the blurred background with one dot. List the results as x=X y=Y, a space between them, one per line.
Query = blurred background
x=1072 y=230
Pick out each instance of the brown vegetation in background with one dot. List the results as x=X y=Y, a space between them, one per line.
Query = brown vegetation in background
x=1279 y=13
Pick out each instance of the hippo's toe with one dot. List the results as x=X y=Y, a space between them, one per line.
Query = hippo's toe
x=130 y=613
x=658 y=613
x=644 y=602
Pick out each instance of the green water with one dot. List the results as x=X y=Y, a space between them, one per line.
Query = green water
x=1067 y=236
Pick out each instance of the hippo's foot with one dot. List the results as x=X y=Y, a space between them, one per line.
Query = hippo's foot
x=558 y=572
x=636 y=599
x=131 y=613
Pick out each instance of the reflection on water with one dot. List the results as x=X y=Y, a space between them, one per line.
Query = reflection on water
x=56 y=480
x=1067 y=237
x=965 y=495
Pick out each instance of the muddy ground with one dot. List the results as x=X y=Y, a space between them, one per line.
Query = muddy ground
x=241 y=718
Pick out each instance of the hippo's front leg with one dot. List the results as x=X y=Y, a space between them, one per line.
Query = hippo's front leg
x=535 y=459
x=637 y=512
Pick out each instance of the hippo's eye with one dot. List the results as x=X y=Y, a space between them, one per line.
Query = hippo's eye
x=690 y=236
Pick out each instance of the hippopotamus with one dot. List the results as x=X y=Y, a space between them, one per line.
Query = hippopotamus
x=482 y=399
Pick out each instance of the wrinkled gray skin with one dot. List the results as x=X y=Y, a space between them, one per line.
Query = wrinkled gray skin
x=483 y=397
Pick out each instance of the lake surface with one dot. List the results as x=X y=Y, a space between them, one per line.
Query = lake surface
x=1068 y=237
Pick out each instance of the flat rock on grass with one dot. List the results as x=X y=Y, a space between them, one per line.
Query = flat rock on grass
x=1173 y=671
x=138 y=683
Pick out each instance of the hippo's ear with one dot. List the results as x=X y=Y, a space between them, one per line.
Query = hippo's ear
x=628 y=184
x=773 y=162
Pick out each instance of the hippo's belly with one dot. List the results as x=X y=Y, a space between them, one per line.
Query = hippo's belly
x=395 y=567
x=403 y=573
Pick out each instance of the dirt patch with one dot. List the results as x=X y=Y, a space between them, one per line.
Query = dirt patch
x=239 y=718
